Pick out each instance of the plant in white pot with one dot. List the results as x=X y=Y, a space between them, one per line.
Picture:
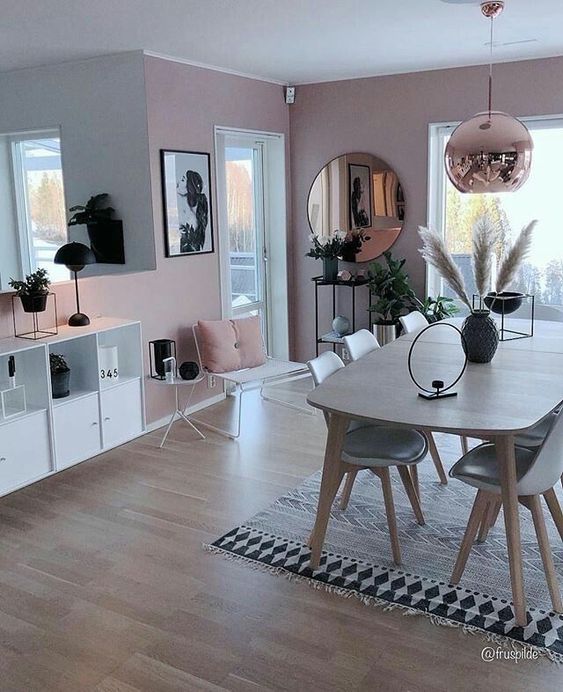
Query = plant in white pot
x=479 y=330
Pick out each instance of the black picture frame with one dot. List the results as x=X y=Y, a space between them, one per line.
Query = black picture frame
x=185 y=239
x=355 y=171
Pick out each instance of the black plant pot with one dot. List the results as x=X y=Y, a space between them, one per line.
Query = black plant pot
x=330 y=268
x=60 y=384
x=34 y=303
x=480 y=337
x=106 y=241
x=504 y=303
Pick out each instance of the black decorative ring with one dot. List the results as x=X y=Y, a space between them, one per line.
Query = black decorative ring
x=435 y=324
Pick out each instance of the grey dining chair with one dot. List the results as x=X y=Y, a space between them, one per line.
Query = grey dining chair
x=537 y=471
x=359 y=345
x=377 y=448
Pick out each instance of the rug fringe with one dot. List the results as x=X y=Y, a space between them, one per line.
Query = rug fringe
x=386 y=606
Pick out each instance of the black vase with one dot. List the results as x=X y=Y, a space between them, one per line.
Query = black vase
x=34 y=303
x=480 y=337
x=330 y=268
x=60 y=384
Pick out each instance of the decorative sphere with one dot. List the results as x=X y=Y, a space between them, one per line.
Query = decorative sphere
x=341 y=325
x=489 y=154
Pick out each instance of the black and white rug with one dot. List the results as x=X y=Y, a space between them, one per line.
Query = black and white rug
x=357 y=560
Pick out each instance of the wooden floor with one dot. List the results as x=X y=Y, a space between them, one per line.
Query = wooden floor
x=104 y=585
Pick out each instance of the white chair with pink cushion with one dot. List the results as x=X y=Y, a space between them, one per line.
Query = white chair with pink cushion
x=233 y=351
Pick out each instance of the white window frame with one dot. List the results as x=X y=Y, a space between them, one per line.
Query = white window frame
x=271 y=213
x=23 y=218
x=437 y=178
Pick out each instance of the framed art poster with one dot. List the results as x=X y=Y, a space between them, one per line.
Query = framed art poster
x=360 y=196
x=186 y=200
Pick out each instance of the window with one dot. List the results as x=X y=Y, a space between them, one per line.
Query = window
x=40 y=209
x=454 y=214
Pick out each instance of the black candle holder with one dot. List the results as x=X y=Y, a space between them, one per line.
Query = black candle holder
x=501 y=307
x=439 y=389
x=35 y=329
x=159 y=350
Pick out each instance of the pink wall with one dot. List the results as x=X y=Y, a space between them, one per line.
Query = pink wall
x=389 y=117
x=184 y=103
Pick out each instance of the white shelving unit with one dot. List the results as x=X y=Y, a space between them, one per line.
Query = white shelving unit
x=99 y=414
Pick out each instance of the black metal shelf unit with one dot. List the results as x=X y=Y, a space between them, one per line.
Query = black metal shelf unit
x=332 y=338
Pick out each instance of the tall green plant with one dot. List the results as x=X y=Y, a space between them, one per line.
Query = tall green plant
x=389 y=285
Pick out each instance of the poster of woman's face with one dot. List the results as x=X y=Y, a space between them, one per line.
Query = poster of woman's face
x=360 y=196
x=186 y=191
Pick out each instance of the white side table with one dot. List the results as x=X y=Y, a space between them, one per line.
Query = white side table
x=180 y=411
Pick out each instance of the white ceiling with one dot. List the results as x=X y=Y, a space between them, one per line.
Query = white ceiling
x=291 y=41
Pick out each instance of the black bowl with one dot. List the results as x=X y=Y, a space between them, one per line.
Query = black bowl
x=505 y=303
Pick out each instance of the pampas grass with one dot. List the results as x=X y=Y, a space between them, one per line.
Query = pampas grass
x=485 y=234
x=512 y=259
x=436 y=253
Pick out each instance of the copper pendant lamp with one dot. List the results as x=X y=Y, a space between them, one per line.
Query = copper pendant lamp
x=492 y=151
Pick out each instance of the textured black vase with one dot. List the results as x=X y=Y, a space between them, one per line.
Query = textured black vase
x=480 y=337
x=330 y=268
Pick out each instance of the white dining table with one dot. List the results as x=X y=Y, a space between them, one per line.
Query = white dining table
x=497 y=400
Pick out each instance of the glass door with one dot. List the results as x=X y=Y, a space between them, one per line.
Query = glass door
x=244 y=247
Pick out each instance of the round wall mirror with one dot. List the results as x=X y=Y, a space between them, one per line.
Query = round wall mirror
x=362 y=195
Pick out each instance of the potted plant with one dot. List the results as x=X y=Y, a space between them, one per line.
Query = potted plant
x=60 y=376
x=389 y=284
x=104 y=232
x=480 y=333
x=33 y=291
x=330 y=248
x=437 y=309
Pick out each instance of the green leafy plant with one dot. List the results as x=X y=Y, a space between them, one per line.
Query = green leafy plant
x=36 y=283
x=439 y=308
x=338 y=244
x=57 y=363
x=389 y=284
x=92 y=212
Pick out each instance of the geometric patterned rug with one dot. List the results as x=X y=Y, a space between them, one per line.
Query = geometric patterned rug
x=357 y=562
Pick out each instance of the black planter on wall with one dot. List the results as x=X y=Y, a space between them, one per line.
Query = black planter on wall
x=106 y=241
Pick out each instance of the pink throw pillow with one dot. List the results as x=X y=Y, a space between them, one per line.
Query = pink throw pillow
x=218 y=346
x=250 y=344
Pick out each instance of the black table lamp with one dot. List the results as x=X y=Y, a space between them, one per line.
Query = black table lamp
x=75 y=256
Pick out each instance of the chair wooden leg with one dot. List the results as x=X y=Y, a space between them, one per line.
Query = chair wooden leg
x=489 y=519
x=545 y=551
x=435 y=454
x=348 y=485
x=414 y=475
x=390 y=511
x=464 y=444
x=555 y=509
x=411 y=493
x=477 y=512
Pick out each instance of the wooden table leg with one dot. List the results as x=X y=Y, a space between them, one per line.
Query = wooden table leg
x=507 y=469
x=333 y=471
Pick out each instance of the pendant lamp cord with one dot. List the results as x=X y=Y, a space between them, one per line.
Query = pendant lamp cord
x=491 y=69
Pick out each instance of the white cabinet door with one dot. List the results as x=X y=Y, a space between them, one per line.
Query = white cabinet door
x=122 y=413
x=77 y=430
x=25 y=451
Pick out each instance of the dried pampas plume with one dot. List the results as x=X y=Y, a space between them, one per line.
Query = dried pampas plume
x=514 y=257
x=435 y=253
x=485 y=234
